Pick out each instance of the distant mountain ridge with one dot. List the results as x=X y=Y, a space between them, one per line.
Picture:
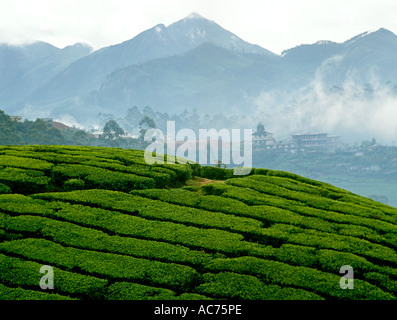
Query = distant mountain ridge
x=25 y=68
x=88 y=73
x=192 y=64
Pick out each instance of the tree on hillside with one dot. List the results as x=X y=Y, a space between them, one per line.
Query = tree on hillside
x=145 y=124
x=8 y=132
x=37 y=132
x=112 y=130
x=80 y=137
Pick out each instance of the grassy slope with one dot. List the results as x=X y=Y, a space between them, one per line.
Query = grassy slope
x=115 y=228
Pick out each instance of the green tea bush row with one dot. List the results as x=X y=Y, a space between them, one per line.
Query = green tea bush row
x=303 y=277
x=26 y=274
x=337 y=242
x=104 y=264
x=216 y=173
x=289 y=184
x=20 y=204
x=248 y=196
x=5 y=235
x=4 y=189
x=325 y=259
x=183 y=172
x=123 y=224
x=86 y=238
x=24 y=181
x=382 y=281
x=310 y=200
x=154 y=209
x=254 y=198
x=24 y=163
x=177 y=196
x=275 y=215
x=161 y=179
x=342 y=220
x=122 y=161
x=229 y=285
x=12 y=293
x=267 y=214
x=276 y=235
x=101 y=178
x=355 y=199
x=105 y=219
x=73 y=235
x=135 y=291
x=293 y=176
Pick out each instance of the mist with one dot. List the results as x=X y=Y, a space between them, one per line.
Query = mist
x=358 y=108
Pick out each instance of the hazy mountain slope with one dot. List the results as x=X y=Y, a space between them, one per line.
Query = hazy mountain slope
x=24 y=68
x=369 y=57
x=88 y=73
x=161 y=68
x=207 y=78
x=365 y=58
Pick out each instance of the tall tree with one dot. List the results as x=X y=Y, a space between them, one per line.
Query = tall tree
x=145 y=124
x=8 y=132
x=112 y=130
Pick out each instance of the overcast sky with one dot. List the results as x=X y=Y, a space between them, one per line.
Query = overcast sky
x=273 y=24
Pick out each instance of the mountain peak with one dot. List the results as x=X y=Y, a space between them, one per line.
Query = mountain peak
x=381 y=33
x=194 y=15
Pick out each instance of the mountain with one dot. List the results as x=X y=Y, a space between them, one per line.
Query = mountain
x=88 y=73
x=368 y=55
x=24 y=68
x=196 y=64
x=211 y=77
x=365 y=56
x=207 y=78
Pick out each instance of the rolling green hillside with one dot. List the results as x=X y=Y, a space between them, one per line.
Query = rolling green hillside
x=114 y=228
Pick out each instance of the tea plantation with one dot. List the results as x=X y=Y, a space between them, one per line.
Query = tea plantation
x=114 y=228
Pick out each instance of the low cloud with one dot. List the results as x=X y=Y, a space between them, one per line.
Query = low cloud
x=356 y=109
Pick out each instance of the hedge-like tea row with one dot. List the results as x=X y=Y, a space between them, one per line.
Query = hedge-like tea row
x=274 y=272
x=26 y=274
x=259 y=184
x=275 y=235
x=294 y=182
x=229 y=285
x=135 y=291
x=101 y=178
x=255 y=198
x=337 y=242
x=25 y=163
x=157 y=210
x=24 y=181
x=12 y=293
x=74 y=235
x=122 y=224
x=269 y=235
x=104 y=264
x=115 y=221
x=161 y=179
x=105 y=168
x=270 y=214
